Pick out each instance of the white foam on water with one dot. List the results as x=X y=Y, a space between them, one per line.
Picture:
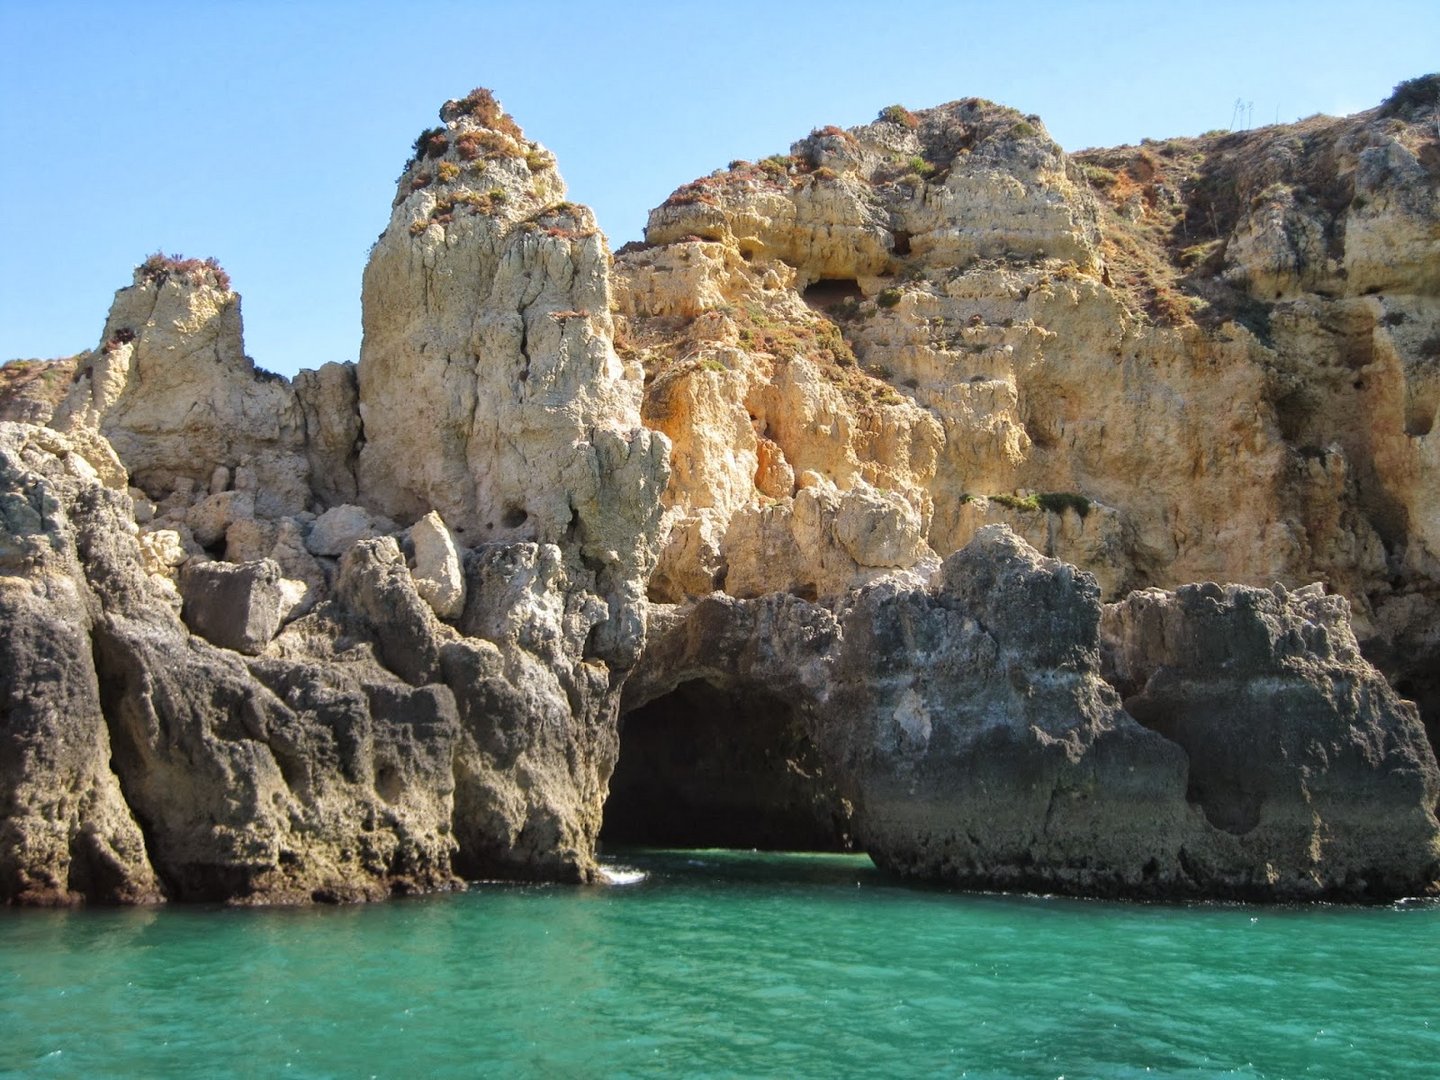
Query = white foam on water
x=622 y=875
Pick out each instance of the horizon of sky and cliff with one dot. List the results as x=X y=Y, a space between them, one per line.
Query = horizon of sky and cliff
x=270 y=134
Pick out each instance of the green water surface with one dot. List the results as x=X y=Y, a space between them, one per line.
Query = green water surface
x=724 y=963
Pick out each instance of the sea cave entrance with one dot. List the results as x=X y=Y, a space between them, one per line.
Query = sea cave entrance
x=710 y=766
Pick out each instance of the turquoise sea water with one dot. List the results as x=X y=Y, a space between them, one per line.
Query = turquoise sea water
x=724 y=963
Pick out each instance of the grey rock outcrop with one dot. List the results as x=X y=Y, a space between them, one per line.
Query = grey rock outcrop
x=67 y=833
x=370 y=749
x=970 y=727
x=187 y=776
x=234 y=606
x=982 y=744
x=1308 y=765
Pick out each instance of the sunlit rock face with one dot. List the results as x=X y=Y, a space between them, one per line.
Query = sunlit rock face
x=1196 y=359
x=855 y=507
x=490 y=390
x=399 y=662
x=172 y=390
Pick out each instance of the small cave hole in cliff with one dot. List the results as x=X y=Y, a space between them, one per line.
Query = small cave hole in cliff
x=706 y=766
x=1293 y=415
x=828 y=293
x=1420 y=415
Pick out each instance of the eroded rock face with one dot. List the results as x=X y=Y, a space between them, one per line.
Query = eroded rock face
x=997 y=185
x=988 y=750
x=1207 y=359
x=172 y=390
x=313 y=729
x=30 y=390
x=368 y=749
x=416 y=587
x=536 y=716
x=488 y=385
x=972 y=730
x=238 y=794
x=1298 y=748
x=68 y=834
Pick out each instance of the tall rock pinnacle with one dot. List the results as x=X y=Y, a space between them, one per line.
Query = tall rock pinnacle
x=489 y=385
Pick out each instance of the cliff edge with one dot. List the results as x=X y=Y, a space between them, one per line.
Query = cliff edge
x=854 y=507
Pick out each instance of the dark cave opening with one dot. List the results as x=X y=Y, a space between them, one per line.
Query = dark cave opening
x=705 y=766
x=1424 y=691
x=1420 y=415
x=827 y=293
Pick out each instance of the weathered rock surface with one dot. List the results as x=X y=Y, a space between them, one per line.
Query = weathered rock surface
x=342 y=527
x=1298 y=748
x=416 y=587
x=67 y=833
x=439 y=576
x=370 y=749
x=1197 y=359
x=969 y=728
x=489 y=386
x=366 y=747
x=988 y=750
x=234 y=606
x=172 y=390
x=239 y=795
x=30 y=390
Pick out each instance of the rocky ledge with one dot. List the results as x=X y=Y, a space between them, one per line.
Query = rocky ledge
x=753 y=533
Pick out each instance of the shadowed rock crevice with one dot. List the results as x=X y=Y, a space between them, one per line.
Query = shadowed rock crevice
x=1218 y=765
x=109 y=695
x=828 y=293
x=706 y=766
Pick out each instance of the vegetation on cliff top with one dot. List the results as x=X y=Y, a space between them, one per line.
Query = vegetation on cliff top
x=1170 y=206
x=159 y=268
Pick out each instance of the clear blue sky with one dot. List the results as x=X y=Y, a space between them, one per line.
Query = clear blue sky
x=269 y=134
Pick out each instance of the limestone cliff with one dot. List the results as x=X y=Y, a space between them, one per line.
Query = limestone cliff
x=753 y=508
x=1197 y=359
x=489 y=387
x=356 y=633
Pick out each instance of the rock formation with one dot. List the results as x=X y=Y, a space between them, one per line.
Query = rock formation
x=350 y=707
x=754 y=507
x=1197 y=359
x=1300 y=754
x=970 y=731
x=490 y=390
